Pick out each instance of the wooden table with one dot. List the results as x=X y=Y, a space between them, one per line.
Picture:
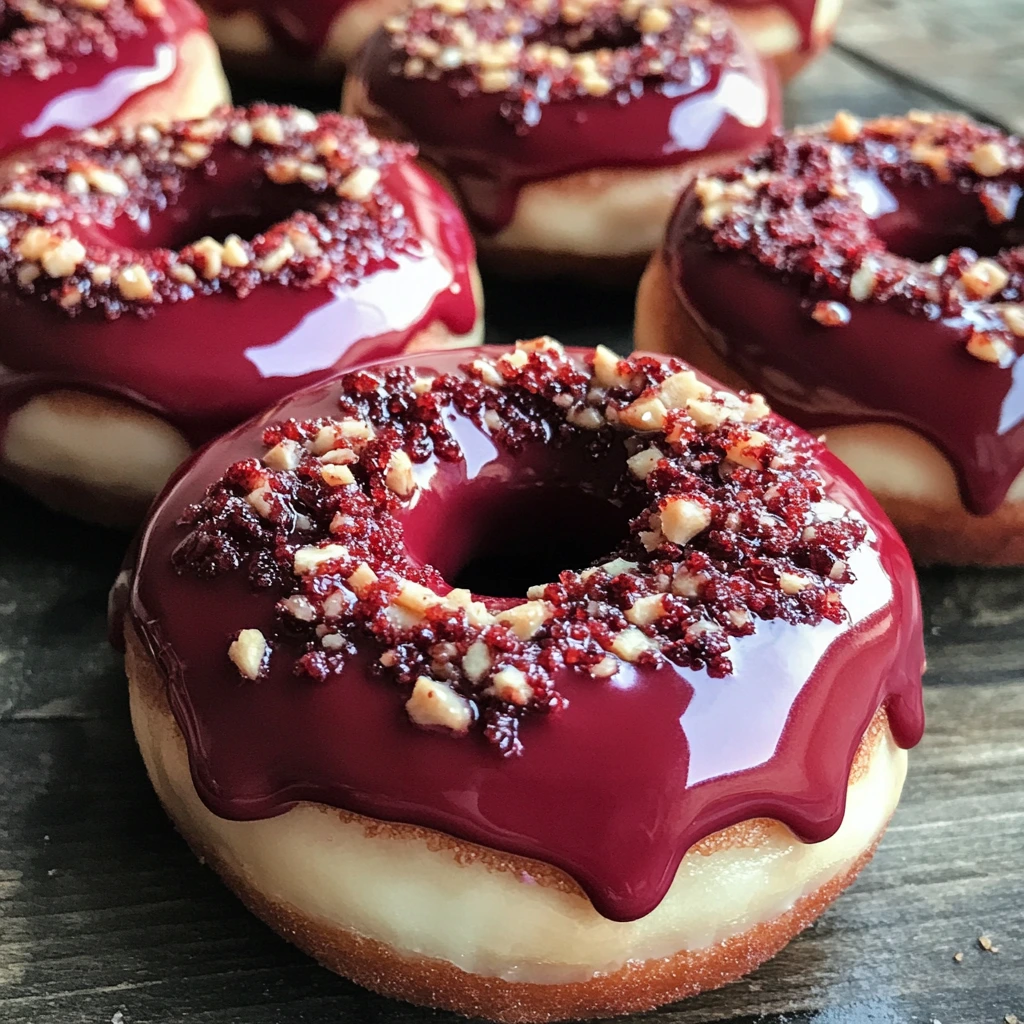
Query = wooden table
x=105 y=916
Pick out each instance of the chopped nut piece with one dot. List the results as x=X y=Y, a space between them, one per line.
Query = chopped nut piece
x=248 y=651
x=644 y=414
x=133 y=282
x=644 y=463
x=28 y=202
x=436 y=704
x=586 y=418
x=510 y=684
x=1013 y=317
x=362 y=579
x=277 y=258
x=958 y=957
x=989 y=348
x=106 y=181
x=525 y=620
x=268 y=129
x=654 y=19
x=604 y=668
x=984 y=279
x=845 y=128
x=985 y=941
x=399 y=477
x=683 y=518
x=745 y=453
x=862 y=283
x=211 y=254
x=63 y=259
x=989 y=159
x=646 y=610
x=606 y=369
x=233 y=252
x=359 y=184
x=309 y=559
x=680 y=388
x=793 y=584
x=337 y=476
x=631 y=644
x=476 y=662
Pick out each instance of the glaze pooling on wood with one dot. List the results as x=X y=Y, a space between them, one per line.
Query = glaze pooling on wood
x=692 y=753
x=887 y=220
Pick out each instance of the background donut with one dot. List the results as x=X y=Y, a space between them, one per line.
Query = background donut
x=563 y=129
x=291 y=638
x=69 y=66
x=872 y=265
x=156 y=336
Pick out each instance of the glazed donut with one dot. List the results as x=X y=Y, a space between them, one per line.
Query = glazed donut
x=68 y=65
x=299 y=39
x=867 y=311
x=788 y=32
x=159 y=284
x=565 y=128
x=483 y=803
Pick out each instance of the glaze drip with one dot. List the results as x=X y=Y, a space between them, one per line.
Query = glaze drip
x=699 y=744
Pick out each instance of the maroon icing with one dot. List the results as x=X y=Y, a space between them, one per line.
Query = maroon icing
x=822 y=233
x=64 y=68
x=207 y=345
x=801 y=11
x=542 y=95
x=612 y=778
x=300 y=26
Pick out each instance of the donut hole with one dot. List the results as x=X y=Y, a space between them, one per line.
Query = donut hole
x=11 y=21
x=239 y=199
x=931 y=222
x=610 y=33
x=534 y=537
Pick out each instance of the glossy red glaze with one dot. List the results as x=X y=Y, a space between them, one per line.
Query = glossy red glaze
x=615 y=788
x=489 y=159
x=209 y=362
x=888 y=364
x=801 y=11
x=301 y=26
x=94 y=88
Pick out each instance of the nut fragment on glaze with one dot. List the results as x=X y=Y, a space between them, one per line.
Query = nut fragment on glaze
x=66 y=65
x=330 y=247
x=500 y=95
x=794 y=587
x=847 y=236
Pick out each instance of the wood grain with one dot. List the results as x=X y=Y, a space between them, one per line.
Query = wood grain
x=105 y=916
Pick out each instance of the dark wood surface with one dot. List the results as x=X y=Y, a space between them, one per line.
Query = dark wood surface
x=105 y=916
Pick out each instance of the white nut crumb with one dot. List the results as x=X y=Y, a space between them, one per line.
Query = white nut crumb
x=586 y=418
x=285 y=455
x=989 y=159
x=746 y=452
x=606 y=369
x=525 y=620
x=682 y=519
x=248 y=652
x=645 y=414
x=134 y=284
x=362 y=579
x=359 y=184
x=399 y=477
x=337 y=476
x=510 y=685
x=679 y=389
x=646 y=610
x=791 y=583
x=604 y=668
x=988 y=348
x=308 y=559
x=984 y=278
x=863 y=280
x=643 y=464
x=436 y=704
x=416 y=598
x=617 y=566
x=631 y=644
x=476 y=662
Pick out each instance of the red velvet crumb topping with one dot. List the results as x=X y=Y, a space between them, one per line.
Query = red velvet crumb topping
x=734 y=530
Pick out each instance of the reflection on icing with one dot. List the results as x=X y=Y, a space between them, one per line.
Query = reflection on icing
x=875 y=199
x=693 y=123
x=91 y=105
x=1011 y=412
x=323 y=336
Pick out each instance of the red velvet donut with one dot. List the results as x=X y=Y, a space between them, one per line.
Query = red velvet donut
x=539 y=761
x=881 y=297
x=563 y=127
x=67 y=65
x=329 y=247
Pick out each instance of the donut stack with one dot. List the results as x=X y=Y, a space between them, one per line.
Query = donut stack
x=527 y=682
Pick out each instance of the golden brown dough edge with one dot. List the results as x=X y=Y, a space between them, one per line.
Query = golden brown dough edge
x=936 y=534
x=636 y=987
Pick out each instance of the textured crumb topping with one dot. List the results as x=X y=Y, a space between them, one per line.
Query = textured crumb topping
x=535 y=52
x=62 y=215
x=43 y=38
x=798 y=207
x=735 y=529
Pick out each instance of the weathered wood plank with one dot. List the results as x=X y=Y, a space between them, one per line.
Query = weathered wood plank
x=972 y=50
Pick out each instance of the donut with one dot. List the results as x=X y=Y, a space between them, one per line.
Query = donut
x=565 y=128
x=297 y=39
x=68 y=65
x=568 y=799
x=788 y=32
x=163 y=282
x=882 y=283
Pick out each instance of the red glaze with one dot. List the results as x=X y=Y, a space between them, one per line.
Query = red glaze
x=904 y=355
x=801 y=11
x=205 y=361
x=300 y=26
x=614 y=787
x=492 y=144
x=83 y=82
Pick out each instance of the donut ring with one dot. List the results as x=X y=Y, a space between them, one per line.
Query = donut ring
x=790 y=33
x=132 y=335
x=67 y=65
x=291 y=639
x=296 y=39
x=564 y=128
x=868 y=312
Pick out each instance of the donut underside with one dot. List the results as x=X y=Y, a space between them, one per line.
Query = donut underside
x=936 y=534
x=424 y=981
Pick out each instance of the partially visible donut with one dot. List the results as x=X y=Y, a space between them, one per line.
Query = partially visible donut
x=297 y=39
x=869 y=279
x=788 y=32
x=67 y=65
x=565 y=128
x=161 y=283
x=483 y=802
